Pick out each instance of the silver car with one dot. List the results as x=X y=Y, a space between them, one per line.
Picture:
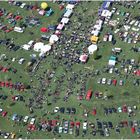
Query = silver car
x=109 y=82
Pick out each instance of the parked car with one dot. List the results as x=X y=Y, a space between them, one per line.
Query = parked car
x=85 y=125
x=26 y=118
x=103 y=80
x=109 y=82
x=32 y=121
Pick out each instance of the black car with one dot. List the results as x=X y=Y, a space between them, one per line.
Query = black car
x=19 y=118
x=105 y=125
x=101 y=133
x=4 y=97
x=62 y=109
x=94 y=133
x=110 y=125
x=16 y=48
x=18 y=3
x=68 y=110
x=73 y=110
x=99 y=125
x=113 y=42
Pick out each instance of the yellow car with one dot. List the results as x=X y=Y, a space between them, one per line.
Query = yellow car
x=13 y=135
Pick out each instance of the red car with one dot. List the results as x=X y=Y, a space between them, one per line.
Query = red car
x=10 y=85
x=4 y=113
x=54 y=122
x=77 y=124
x=18 y=18
x=114 y=82
x=124 y=108
x=94 y=111
x=72 y=124
x=31 y=127
x=89 y=94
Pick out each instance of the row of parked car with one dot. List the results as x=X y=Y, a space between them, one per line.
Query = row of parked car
x=67 y=110
x=110 y=81
x=11 y=46
x=124 y=108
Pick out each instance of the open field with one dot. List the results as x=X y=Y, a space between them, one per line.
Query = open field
x=63 y=77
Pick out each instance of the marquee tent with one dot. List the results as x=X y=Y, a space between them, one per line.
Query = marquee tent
x=65 y=20
x=68 y=13
x=26 y=47
x=92 y=48
x=40 y=47
x=54 y=38
x=83 y=58
x=70 y=6
x=60 y=27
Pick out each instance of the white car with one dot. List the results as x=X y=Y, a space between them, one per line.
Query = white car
x=6 y=135
x=106 y=132
x=32 y=121
x=103 y=80
x=71 y=131
x=22 y=5
x=129 y=109
x=26 y=118
x=119 y=109
x=113 y=10
x=1 y=110
x=60 y=129
x=56 y=109
x=21 y=61
x=85 y=125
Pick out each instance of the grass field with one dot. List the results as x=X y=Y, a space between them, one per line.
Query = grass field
x=119 y=99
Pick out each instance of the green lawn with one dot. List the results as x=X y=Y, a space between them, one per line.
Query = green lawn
x=88 y=18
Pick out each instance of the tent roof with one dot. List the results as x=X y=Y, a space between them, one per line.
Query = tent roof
x=83 y=58
x=92 y=48
x=65 y=20
x=54 y=38
x=70 y=6
x=40 y=47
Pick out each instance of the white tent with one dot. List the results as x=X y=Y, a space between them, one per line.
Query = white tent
x=68 y=13
x=26 y=47
x=92 y=48
x=70 y=6
x=98 y=27
x=95 y=32
x=40 y=47
x=106 y=13
x=111 y=62
x=65 y=20
x=54 y=38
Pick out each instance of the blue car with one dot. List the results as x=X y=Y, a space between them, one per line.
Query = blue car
x=14 y=117
x=49 y=13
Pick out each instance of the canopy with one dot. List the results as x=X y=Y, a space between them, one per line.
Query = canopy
x=92 y=48
x=112 y=62
x=44 y=5
x=54 y=38
x=40 y=47
x=26 y=47
x=65 y=20
x=83 y=58
x=94 y=39
x=60 y=27
x=68 y=13
x=43 y=29
x=70 y=6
